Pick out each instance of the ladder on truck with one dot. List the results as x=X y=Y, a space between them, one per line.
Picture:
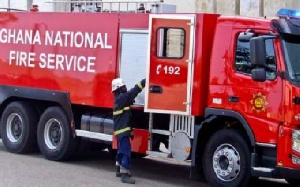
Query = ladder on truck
x=178 y=125
x=7 y=9
x=107 y=6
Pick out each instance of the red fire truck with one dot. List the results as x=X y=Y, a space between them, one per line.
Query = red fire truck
x=221 y=91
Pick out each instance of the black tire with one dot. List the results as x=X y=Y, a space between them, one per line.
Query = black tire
x=226 y=159
x=55 y=138
x=18 y=128
x=293 y=182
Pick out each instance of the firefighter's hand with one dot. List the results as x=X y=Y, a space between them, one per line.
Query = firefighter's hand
x=143 y=81
x=132 y=135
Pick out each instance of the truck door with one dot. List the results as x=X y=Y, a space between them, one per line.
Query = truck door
x=170 y=64
x=261 y=103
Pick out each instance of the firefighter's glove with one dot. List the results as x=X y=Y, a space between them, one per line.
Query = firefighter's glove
x=131 y=135
x=143 y=81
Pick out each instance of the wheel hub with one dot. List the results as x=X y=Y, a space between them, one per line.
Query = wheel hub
x=14 y=127
x=226 y=162
x=52 y=133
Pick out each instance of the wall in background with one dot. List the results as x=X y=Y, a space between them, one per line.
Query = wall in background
x=228 y=7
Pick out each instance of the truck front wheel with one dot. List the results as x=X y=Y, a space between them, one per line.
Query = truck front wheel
x=18 y=127
x=55 y=138
x=226 y=159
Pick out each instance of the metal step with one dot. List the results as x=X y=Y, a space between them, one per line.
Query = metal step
x=159 y=154
x=262 y=171
x=162 y=132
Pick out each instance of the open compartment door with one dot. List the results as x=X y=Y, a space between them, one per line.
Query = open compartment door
x=170 y=64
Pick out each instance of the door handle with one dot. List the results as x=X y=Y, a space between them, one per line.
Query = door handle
x=296 y=100
x=156 y=89
x=233 y=99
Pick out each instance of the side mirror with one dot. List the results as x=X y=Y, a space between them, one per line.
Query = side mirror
x=258 y=51
x=259 y=74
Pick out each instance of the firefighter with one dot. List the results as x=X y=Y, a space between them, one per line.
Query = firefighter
x=122 y=125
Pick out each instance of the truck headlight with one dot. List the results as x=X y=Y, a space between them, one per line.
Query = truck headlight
x=296 y=140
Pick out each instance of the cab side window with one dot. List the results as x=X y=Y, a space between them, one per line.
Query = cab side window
x=242 y=58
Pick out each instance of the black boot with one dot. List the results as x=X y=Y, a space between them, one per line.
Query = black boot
x=118 y=173
x=127 y=179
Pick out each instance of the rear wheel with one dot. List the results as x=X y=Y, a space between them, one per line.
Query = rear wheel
x=226 y=159
x=18 y=127
x=55 y=138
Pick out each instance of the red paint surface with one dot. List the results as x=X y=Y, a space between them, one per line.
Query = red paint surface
x=87 y=88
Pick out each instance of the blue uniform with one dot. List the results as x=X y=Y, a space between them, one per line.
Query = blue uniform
x=122 y=124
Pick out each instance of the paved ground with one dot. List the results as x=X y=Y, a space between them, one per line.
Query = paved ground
x=94 y=169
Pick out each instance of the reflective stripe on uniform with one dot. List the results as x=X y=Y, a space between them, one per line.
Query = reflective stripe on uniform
x=140 y=86
x=122 y=130
x=118 y=112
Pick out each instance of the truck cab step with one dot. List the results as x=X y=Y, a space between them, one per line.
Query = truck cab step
x=262 y=171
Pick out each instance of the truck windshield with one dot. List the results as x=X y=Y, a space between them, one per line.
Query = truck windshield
x=291 y=46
